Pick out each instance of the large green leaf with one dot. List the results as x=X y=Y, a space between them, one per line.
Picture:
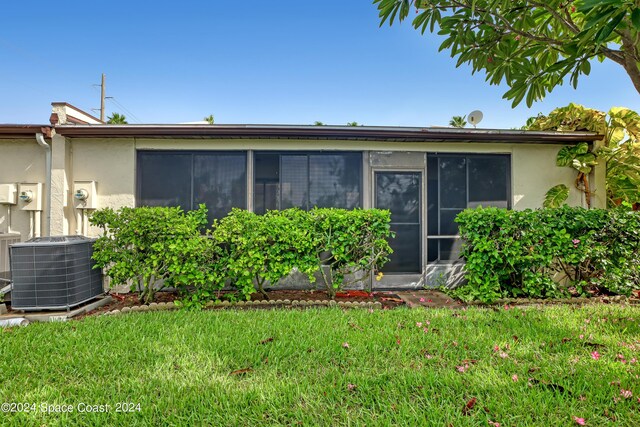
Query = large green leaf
x=565 y=157
x=581 y=166
x=556 y=196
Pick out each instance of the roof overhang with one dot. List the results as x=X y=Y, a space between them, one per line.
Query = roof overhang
x=23 y=131
x=365 y=133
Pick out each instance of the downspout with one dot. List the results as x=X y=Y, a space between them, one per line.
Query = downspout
x=47 y=165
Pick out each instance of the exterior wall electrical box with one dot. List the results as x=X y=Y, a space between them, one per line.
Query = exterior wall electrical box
x=85 y=195
x=8 y=194
x=30 y=196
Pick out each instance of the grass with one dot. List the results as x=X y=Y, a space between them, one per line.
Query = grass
x=179 y=367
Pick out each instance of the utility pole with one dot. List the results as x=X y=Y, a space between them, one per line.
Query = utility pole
x=102 y=92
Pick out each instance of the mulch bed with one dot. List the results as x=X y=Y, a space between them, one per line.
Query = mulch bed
x=388 y=299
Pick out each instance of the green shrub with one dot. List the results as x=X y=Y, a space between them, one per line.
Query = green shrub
x=263 y=248
x=154 y=247
x=260 y=249
x=542 y=253
x=351 y=242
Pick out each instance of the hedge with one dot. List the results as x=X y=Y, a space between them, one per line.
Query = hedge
x=154 y=247
x=548 y=252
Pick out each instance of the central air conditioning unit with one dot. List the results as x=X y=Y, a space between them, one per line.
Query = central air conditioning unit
x=53 y=273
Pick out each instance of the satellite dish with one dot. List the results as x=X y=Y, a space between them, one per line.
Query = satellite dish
x=475 y=117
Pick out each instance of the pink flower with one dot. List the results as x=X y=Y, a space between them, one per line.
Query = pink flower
x=419 y=324
x=514 y=377
x=351 y=387
x=575 y=242
x=427 y=322
x=398 y=341
x=422 y=300
x=345 y=345
x=426 y=330
x=503 y=355
x=493 y=423
x=581 y=336
x=633 y=360
x=580 y=421
x=595 y=355
x=462 y=368
x=506 y=307
x=428 y=356
x=626 y=394
x=496 y=348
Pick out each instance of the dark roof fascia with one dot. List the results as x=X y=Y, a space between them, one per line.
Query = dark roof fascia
x=368 y=133
x=11 y=131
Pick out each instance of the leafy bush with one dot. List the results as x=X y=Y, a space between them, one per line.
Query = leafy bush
x=349 y=243
x=154 y=247
x=542 y=253
x=265 y=248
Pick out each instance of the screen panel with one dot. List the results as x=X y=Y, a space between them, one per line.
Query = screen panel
x=219 y=181
x=293 y=179
x=164 y=179
x=188 y=178
x=488 y=181
x=294 y=182
x=400 y=193
x=456 y=182
x=334 y=180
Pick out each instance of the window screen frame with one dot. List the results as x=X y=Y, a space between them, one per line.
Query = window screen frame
x=308 y=154
x=438 y=237
x=192 y=154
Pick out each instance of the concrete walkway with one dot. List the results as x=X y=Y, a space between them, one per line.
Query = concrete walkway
x=428 y=299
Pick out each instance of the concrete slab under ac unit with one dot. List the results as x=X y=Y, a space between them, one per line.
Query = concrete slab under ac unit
x=57 y=316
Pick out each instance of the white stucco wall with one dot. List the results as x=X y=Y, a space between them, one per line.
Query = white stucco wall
x=111 y=164
x=21 y=161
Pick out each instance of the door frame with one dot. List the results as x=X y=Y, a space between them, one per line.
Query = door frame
x=399 y=281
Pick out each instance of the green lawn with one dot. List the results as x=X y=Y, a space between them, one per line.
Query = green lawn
x=531 y=366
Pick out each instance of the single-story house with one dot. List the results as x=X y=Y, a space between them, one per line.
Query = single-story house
x=425 y=176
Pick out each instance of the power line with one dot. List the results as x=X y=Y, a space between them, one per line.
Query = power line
x=133 y=116
x=130 y=114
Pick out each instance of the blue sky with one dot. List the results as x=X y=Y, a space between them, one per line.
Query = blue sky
x=253 y=61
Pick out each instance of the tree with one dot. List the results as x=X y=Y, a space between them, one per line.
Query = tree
x=620 y=149
x=209 y=119
x=532 y=45
x=317 y=123
x=353 y=124
x=117 y=119
x=458 y=121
